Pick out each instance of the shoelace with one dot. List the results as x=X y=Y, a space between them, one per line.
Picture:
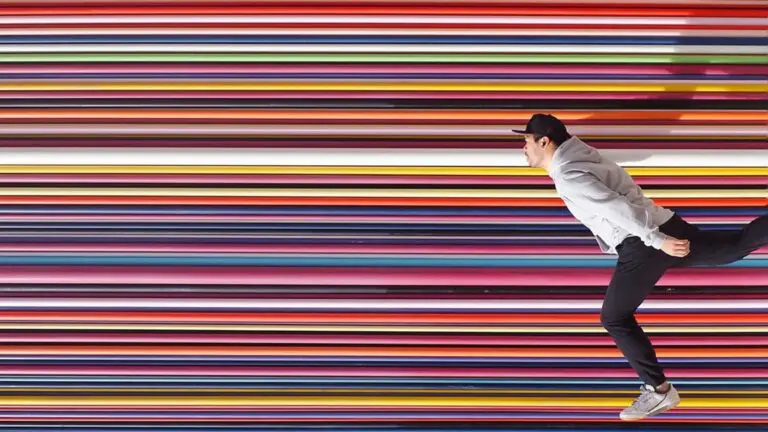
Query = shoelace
x=645 y=395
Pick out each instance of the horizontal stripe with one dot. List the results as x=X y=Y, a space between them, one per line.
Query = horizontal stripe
x=377 y=48
x=359 y=30
x=357 y=98
x=363 y=160
x=398 y=329
x=331 y=8
x=91 y=18
x=287 y=382
x=378 y=130
x=199 y=76
x=220 y=337
x=383 y=304
x=695 y=4
x=349 y=192
x=548 y=353
x=364 y=392
x=308 y=249
x=84 y=37
x=395 y=85
x=671 y=71
x=353 y=201
x=332 y=262
x=329 y=221
x=396 y=58
x=211 y=168
x=572 y=117
x=356 y=179
x=276 y=401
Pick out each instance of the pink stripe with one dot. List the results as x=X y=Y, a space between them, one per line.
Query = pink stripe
x=347 y=276
x=431 y=143
x=324 y=218
x=513 y=340
x=668 y=70
x=371 y=371
x=379 y=95
x=353 y=179
x=308 y=248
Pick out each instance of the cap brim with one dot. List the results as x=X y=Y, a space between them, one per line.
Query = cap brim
x=519 y=131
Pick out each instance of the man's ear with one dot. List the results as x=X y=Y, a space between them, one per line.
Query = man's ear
x=544 y=141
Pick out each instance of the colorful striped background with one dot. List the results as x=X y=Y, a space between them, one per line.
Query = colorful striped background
x=311 y=215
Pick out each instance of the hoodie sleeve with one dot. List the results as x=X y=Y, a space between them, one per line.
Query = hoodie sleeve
x=588 y=192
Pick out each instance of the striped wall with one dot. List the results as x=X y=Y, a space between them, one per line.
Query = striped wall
x=311 y=215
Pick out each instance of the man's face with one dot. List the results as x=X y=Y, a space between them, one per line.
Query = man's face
x=534 y=151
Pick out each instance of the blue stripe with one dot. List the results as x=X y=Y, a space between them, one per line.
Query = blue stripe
x=291 y=261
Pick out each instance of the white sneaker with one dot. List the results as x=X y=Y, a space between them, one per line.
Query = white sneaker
x=650 y=403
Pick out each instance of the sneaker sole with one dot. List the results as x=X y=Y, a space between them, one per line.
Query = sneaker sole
x=656 y=411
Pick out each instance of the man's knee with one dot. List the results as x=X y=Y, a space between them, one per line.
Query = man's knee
x=615 y=319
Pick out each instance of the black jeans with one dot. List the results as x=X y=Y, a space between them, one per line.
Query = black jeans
x=639 y=267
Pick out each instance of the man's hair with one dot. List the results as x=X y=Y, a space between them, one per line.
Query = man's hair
x=557 y=137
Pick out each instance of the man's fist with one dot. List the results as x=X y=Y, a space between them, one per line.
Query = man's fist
x=676 y=247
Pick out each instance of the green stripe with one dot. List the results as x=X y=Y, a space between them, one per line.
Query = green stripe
x=386 y=58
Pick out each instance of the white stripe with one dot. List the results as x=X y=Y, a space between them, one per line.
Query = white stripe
x=377 y=304
x=383 y=48
x=374 y=31
x=363 y=157
x=382 y=19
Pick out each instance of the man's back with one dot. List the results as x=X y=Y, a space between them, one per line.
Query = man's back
x=604 y=197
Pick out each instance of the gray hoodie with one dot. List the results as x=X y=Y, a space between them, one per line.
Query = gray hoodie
x=602 y=196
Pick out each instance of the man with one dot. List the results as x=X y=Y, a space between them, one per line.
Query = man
x=648 y=239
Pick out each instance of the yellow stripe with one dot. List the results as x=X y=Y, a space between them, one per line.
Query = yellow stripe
x=387 y=86
x=378 y=192
x=394 y=401
x=351 y=170
x=376 y=329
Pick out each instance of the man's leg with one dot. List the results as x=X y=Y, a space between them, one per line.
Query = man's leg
x=637 y=270
x=720 y=247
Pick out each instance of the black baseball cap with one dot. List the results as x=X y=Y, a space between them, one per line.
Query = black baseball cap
x=544 y=125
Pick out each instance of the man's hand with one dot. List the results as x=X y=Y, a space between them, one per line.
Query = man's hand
x=676 y=247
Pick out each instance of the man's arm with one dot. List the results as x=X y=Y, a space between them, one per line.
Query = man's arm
x=587 y=191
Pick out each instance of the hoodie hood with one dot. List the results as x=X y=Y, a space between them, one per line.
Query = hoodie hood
x=573 y=154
